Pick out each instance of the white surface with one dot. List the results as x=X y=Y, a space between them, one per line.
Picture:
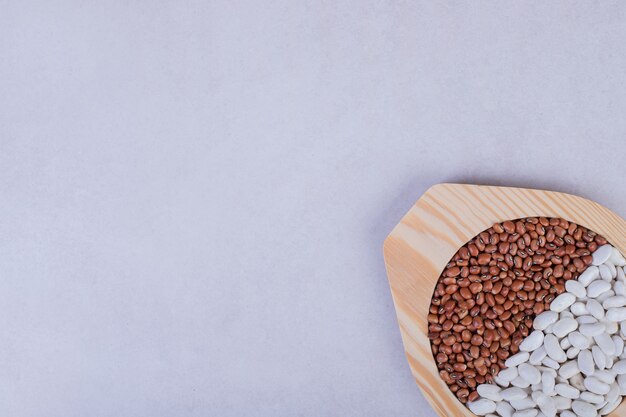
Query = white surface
x=195 y=194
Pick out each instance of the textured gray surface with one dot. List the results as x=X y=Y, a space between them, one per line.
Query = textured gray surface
x=195 y=194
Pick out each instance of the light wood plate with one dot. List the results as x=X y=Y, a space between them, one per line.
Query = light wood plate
x=441 y=221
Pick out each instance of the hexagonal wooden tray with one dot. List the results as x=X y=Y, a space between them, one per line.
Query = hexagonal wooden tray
x=440 y=222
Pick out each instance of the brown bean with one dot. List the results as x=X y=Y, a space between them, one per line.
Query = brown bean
x=483 y=259
x=508 y=226
x=475 y=287
x=476 y=340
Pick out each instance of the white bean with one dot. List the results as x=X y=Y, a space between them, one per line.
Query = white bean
x=576 y=288
x=489 y=391
x=617 y=258
x=621 y=381
x=585 y=362
x=520 y=382
x=529 y=373
x=596 y=386
x=589 y=275
x=547 y=379
x=572 y=352
x=610 y=407
x=620 y=367
x=543 y=320
x=595 y=309
x=562 y=403
x=602 y=254
x=507 y=375
x=516 y=359
x=523 y=404
x=605 y=343
x=597 y=287
x=504 y=409
x=578 y=340
x=590 y=397
x=511 y=394
x=482 y=407
x=583 y=409
x=619 y=345
x=550 y=363
x=532 y=341
x=608 y=377
x=592 y=329
x=569 y=369
x=563 y=301
x=614 y=301
x=553 y=349
x=598 y=357
x=564 y=327
x=530 y=412
x=537 y=356
x=605 y=272
x=616 y=314
x=578 y=308
x=567 y=391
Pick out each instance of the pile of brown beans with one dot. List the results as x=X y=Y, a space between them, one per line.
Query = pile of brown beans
x=489 y=293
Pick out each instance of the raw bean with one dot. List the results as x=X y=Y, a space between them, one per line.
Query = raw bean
x=543 y=320
x=548 y=380
x=529 y=373
x=569 y=369
x=595 y=349
x=517 y=359
x=583 y=409
x=572 y=352
x=578 y=309
x=578 y=340
x=553 y=349
x=564 y=327
x=620 y=367
x=576 y=288
x=504 y=409
x=567 y=391
x=592 y=329
x=614 y=301
x=595 y=309
x=490 y=392
x=589 y=275
x=561 y=302
x=596 y=386
x=616 y=314
x=602 y=254
x=590 y=397
x=605 y=343
x=532 y=342
x=490 y=292
x=537 y=356
x=482 y=407
x=598 y=357
x=511 y=394
x=605 y=272
x=597 y=287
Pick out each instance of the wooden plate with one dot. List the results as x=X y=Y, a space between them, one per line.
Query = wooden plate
x=441 y=221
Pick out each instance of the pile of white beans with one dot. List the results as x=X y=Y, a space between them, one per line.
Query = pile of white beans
x=573 y=363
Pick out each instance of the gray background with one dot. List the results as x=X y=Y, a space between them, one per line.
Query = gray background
x=194 y=195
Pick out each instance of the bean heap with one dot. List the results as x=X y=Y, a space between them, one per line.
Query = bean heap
x=489 y=293
x=573 y=364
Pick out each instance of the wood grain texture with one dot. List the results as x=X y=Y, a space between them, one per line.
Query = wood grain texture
x=440 y=222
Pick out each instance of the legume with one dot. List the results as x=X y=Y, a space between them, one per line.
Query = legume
x=589 y=321
x=489 y=293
